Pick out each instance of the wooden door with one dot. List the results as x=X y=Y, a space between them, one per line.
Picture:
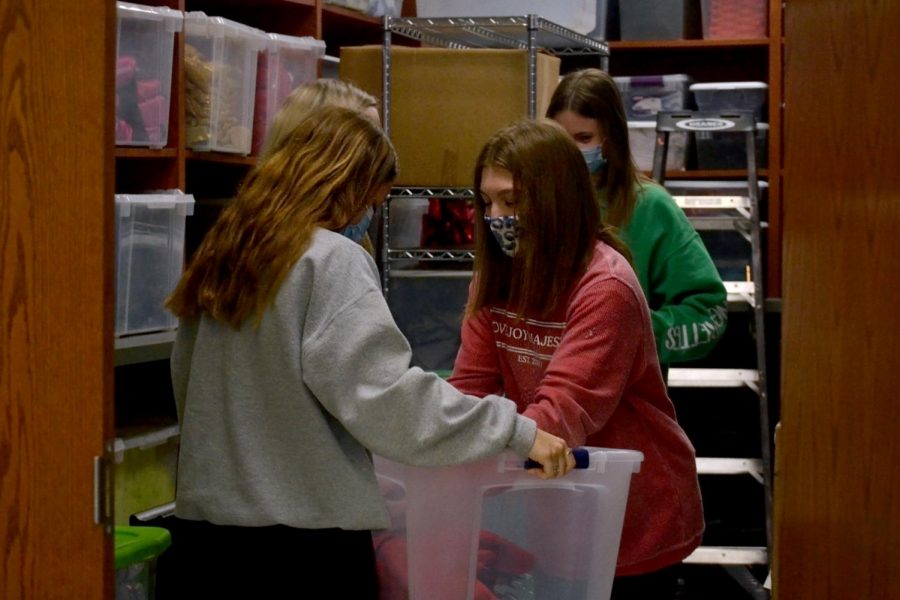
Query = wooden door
x=56 y=294
x=837 y=506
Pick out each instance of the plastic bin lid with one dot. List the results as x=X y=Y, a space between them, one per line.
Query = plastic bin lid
x=729 y=85
x=138 y=544
x=651 y=80
x=198 y=22
x=172 y=199
x=277 y=41
x=173 y=18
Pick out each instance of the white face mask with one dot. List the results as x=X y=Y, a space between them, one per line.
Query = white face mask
x=506 y=231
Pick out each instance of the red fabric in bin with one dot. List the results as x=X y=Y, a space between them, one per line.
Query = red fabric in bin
x=736 y=19
x=496 y=555
x=448 y=223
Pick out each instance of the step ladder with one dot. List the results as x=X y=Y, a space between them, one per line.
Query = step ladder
x=740 y=214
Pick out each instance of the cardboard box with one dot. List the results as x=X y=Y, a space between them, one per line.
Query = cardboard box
x=445 y=104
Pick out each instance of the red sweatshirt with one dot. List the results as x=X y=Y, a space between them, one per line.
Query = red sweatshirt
x=590 y=374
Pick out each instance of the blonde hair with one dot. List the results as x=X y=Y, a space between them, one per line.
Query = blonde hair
x=308 y=98
x=324 y=173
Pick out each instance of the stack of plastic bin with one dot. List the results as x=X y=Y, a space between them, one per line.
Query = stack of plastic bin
x=286 y=63
x=149 y=256
x=145 y=43
x=642 y=139
x=220 y=58
x=136 y=551
x=645 y=95
x=726 y=150
x=522 y=537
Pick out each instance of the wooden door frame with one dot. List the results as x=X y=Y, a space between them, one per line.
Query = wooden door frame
x=56 y=294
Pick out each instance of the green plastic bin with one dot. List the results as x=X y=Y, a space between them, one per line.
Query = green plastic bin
x=137 y=549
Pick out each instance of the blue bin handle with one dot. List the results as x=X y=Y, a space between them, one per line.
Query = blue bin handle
x=582 y=460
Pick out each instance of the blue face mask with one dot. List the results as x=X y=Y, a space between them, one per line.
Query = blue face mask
x=594 y=158
x=506 y=231
x=357 y=231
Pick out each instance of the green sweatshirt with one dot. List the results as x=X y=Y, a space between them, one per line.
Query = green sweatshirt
x=683 y=288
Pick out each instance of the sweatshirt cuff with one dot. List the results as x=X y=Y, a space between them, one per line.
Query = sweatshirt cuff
x=523 y=436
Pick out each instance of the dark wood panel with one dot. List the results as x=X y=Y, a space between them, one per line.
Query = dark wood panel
x=56 y=286
x=838 y=487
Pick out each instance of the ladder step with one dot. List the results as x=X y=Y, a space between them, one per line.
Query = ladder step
x=741 y=291
x=718 y=378
x=728 y=555
x=713 y=202
x=731 y=466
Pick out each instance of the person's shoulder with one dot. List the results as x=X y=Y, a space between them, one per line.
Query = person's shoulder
x=332 y=256
x=608 y=264
x=609 y=273
x=654 y=198
x=656 y=211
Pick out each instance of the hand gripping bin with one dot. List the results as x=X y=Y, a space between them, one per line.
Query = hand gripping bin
x=220 y=59
x=145 y=42
x=136 y=551
x=286 y=63
x=488 y=527
x=149 y=256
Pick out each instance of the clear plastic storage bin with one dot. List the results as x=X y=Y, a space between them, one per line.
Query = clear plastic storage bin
x=220 y=58
x=728 y=150
x=145 y=41
x=136 y=551
x=644 y=96
x=149 y=257
x=734 y=19
x=731 y=95
x=730 y=251
x=286 y=63
x=582 y=16
x=659 y=19
x=490 y=525
x=375 y=8
x=642 y=139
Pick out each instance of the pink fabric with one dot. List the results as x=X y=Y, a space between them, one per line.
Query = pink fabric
x=147 y=89
x=126 y=67
x=590 y=374
x=496 y=555
x=152 y=113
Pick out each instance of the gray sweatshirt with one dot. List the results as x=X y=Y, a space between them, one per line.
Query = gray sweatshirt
x=277 y=421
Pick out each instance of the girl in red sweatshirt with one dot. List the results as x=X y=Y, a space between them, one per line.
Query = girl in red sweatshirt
x=556 y=321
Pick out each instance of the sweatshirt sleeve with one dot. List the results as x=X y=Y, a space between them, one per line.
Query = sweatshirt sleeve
x=358 y=367
x=692 y=312
x=686 y=295
x=597 y=355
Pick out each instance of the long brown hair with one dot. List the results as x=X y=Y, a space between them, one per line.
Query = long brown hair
x=593 y=94
x=558 y=214
x=324 y=174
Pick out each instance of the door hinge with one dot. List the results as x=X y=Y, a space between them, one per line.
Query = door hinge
x=103 y=488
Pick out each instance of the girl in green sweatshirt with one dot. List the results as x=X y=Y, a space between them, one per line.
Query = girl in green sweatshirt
x=683 y=288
